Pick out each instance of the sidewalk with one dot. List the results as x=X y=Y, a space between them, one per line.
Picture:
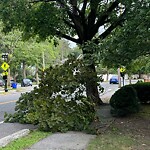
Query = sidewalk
x=73 y=140
x=64 y=141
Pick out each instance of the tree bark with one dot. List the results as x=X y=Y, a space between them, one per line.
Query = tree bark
x=130 y=79
x=140 y=75
x=91 y=85
x=37 y=76
x=107 y=77
x=8 y=79
x=24 y=70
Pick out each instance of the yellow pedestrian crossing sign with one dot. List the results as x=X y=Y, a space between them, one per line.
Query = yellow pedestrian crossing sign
x=5 y=73
x=4 y=66
x=122 y=69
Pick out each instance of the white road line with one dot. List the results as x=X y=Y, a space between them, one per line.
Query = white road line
x=1 y=122
x=109 y=89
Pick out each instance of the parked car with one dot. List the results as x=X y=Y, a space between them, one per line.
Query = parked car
x=26 y=82
x=2 y=83
x=114 y=80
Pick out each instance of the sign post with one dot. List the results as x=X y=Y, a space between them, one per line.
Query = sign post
x=122 y=73
x=119 y=78
x=5 y=66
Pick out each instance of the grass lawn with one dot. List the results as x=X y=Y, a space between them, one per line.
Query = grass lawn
x=27 y=141
x=130 y=133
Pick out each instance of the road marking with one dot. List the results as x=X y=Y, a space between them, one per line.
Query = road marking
x=1 y=122
x=109 y=89
x=2 y=103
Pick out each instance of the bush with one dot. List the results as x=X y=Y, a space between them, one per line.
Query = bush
x=143 y=91
x=124 y=102
x=59 y=103
x=139 y=81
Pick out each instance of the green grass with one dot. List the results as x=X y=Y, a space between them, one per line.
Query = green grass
x=27 y=141
x=112 y=140
x=117 y=139
x=145 y=111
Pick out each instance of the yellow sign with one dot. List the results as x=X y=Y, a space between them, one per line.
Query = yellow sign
x=5 y=73
x=122 y=69
x=4 y=66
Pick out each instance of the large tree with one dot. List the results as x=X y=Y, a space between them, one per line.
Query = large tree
x=130 y=42
x=79 y=21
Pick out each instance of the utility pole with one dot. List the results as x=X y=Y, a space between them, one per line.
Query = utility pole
x=119 y=78
x=43 y=60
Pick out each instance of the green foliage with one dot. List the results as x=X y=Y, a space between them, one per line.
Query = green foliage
x=143 y=91
x=124 y=101
x=80 y=22
x=140 y=81
x=59 y=103
x=131 y=38
x=23 y=106
x=140 y=65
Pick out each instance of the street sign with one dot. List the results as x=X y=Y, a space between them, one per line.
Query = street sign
x=4 y=66
x=5 y=56
x=122 y=69
x=5 y=73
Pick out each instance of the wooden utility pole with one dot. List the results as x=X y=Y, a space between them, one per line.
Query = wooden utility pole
x=43 y=60
x=119 y=78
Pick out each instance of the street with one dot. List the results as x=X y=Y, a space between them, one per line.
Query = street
x=8 y=100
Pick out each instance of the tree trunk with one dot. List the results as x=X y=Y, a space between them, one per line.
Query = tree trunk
x=8 y=78
x=15 y=76
x=37 y=76
x=130 y=80
x=91 y=85
x=107 y=77
x=140 y=74
x=24 y=70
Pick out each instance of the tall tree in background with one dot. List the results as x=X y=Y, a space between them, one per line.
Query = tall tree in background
x=130 y=42
x=69 y=19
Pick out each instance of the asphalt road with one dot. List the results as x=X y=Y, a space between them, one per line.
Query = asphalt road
x=8 y=100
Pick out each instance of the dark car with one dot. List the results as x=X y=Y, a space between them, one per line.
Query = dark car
x=26 y=82
x=114 y=80
x=2 y=83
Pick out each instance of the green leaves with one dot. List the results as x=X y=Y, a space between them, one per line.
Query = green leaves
x=13 y=13
x=131 y=40
x=124 y=102
x=59 y=104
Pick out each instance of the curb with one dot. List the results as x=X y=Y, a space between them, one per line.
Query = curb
x=6 y=140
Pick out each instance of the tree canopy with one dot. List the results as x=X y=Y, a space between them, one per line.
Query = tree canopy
x=131 y=41
x=66 y=18
x=79 y=21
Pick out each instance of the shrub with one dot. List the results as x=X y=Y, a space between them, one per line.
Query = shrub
x=124 y=102
x=143 y=91
x=59 y=103
x=139 y=81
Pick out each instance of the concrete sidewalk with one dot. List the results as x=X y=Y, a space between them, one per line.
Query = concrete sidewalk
x=64 y=141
